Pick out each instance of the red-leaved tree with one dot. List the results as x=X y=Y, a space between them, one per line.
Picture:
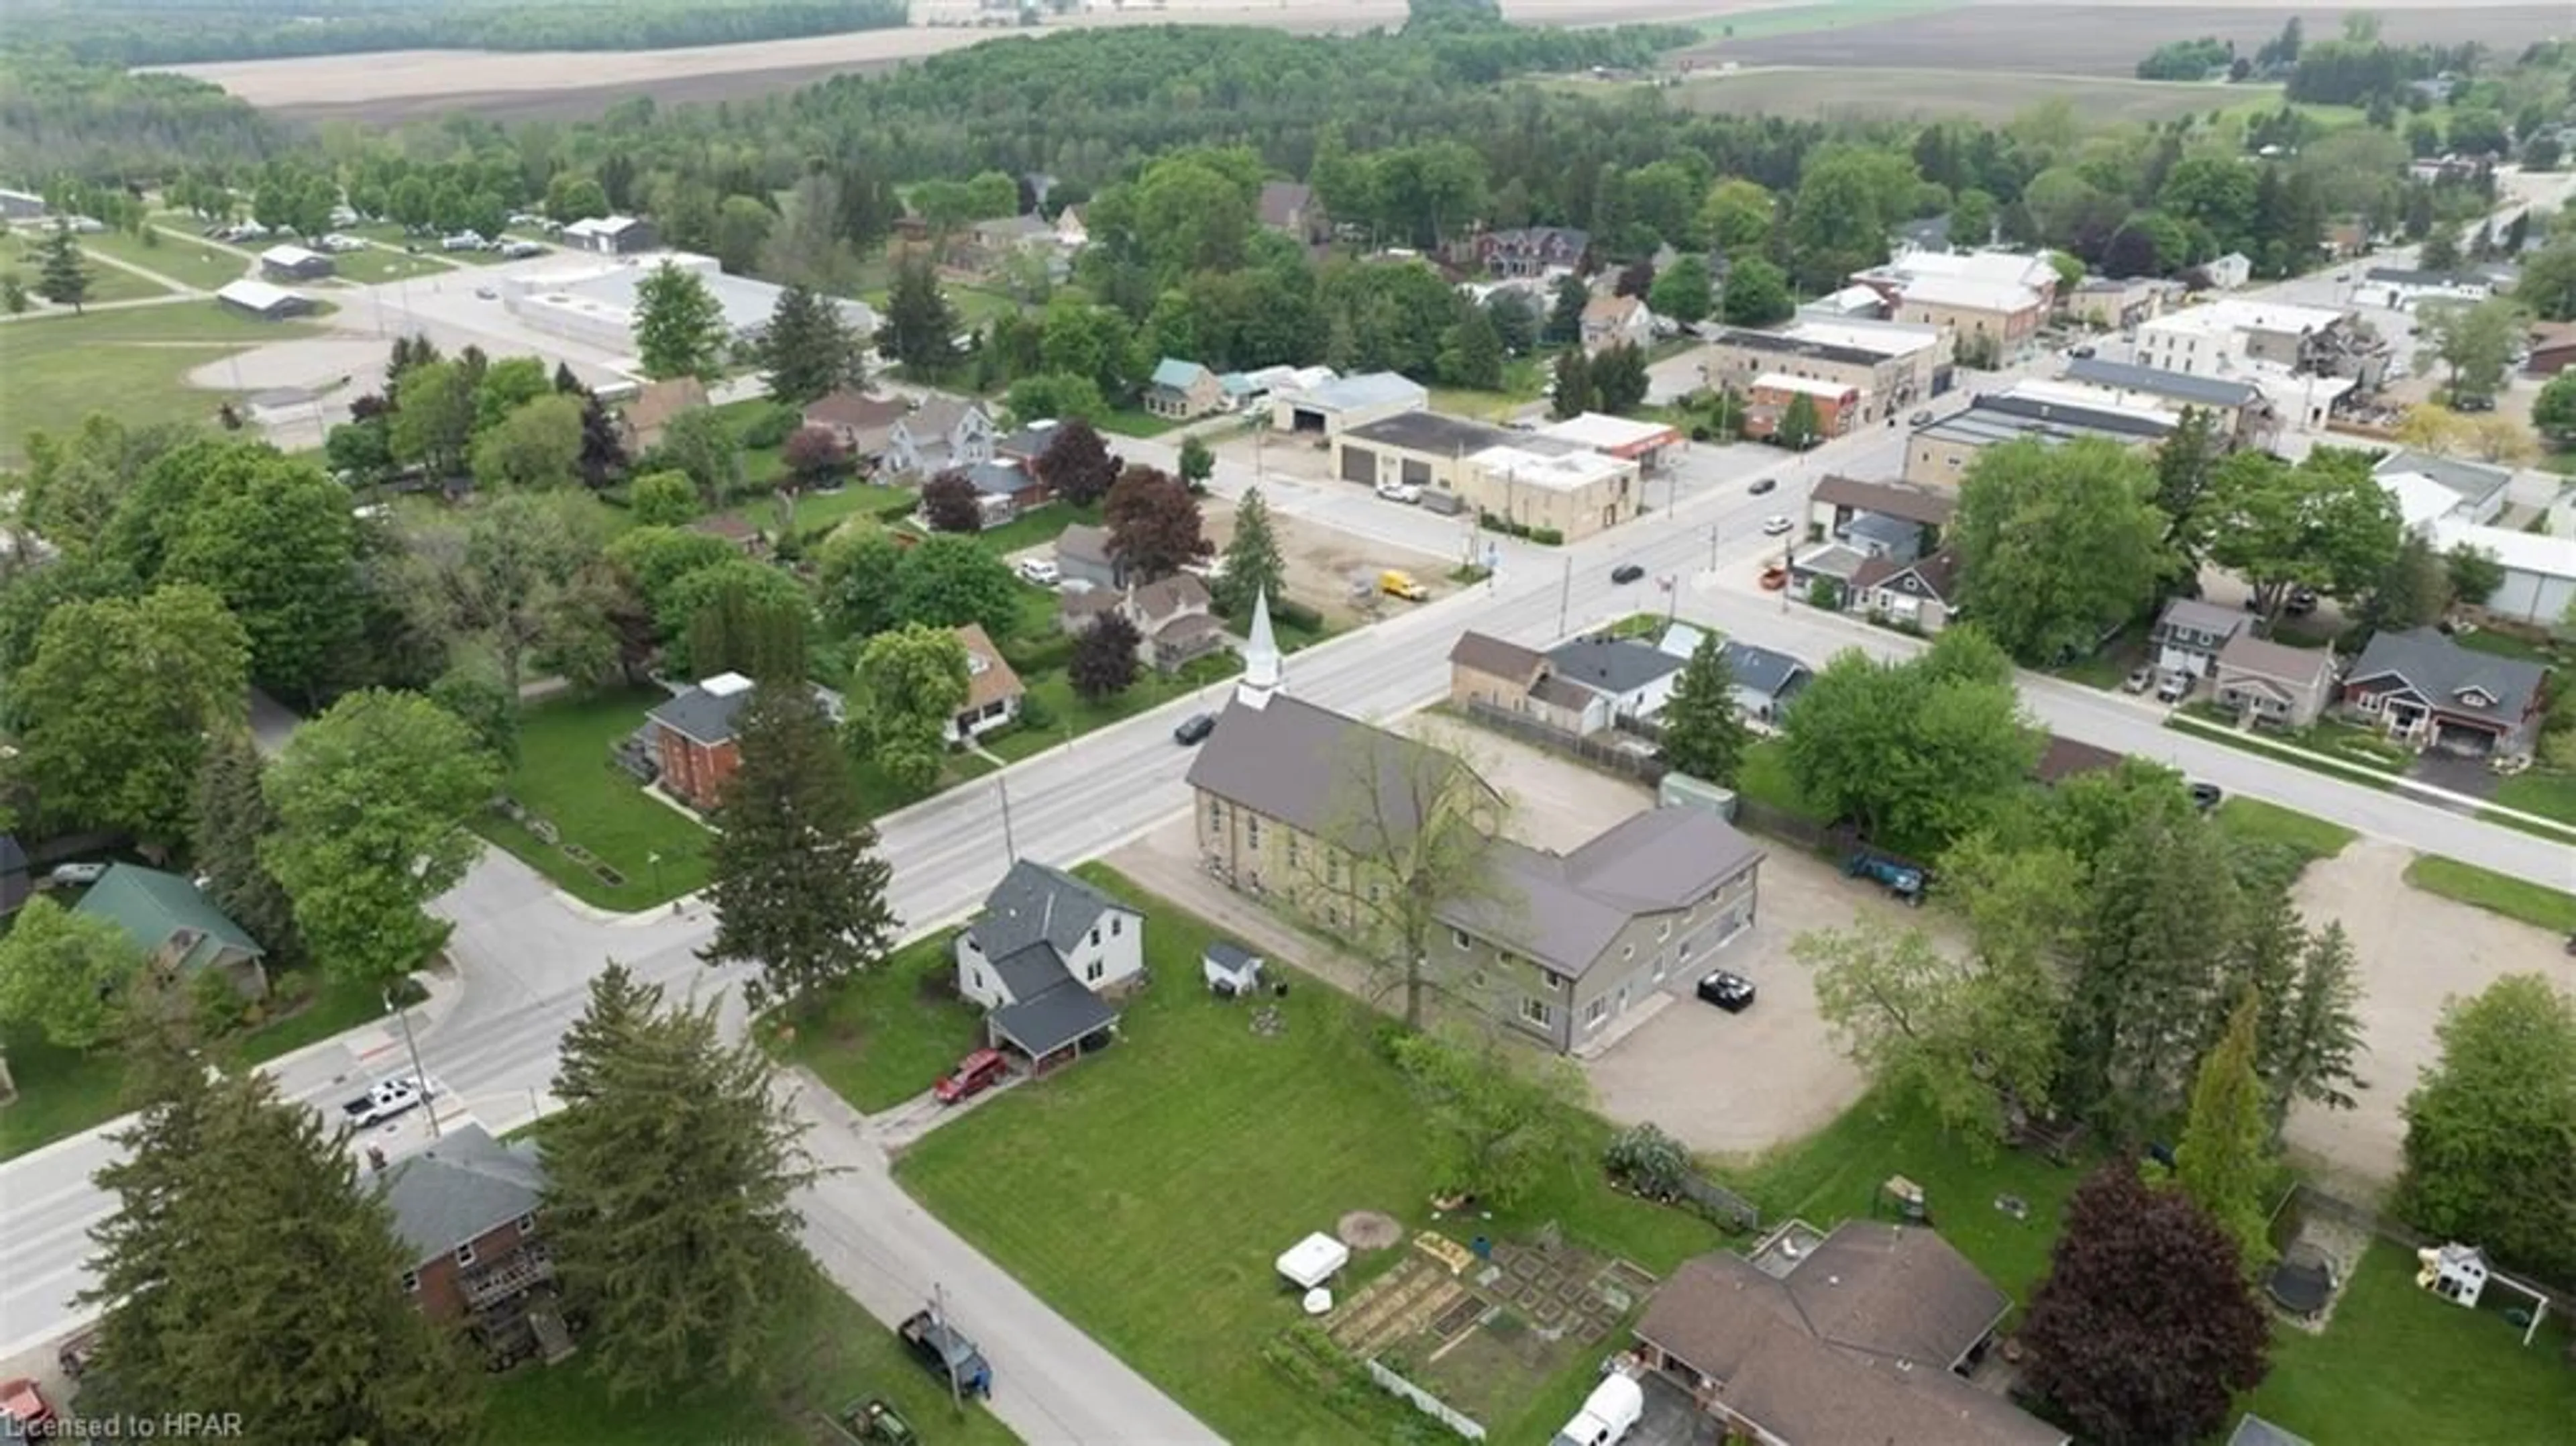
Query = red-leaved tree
x=1153 y=523
x=2145 y=1330
x=1104 y=658
x=814 y=457
x=949 y=503
x=1077 y=464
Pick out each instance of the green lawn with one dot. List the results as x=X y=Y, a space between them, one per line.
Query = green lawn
x=1764 y=778
x=1177 y=1165
x=2509 y=645
x=63 y=1092
x=2498 y=893
x=1135 y=422
x=1071 y=716
x=827 y=1353
x=1036 y=527
x=565 y=777
x=376 y=263
x=23 y=252
x=2335 y=740
x=182 y=258
x=2254 y=821
x=2401 y=1364
x=59 y=369
x=2107 y=666
x=891 y=1034
x=1835 y=1175
x=2548 y=794
x=882 y=795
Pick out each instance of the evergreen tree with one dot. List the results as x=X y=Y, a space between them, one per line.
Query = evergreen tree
x=2225 y=1160
x=1704 y=734
x=603 y=445
x=669 y=1177
x=246 y=1264
x=62 y=277
x=1619 y=380
x=566 y=384
x=806 y=351
x=1799 y=427
x=1573 y=394
x=798 y=887
x=233 y=819
x=1565 y=313
x=758 y=637
x=1471 y=351
x=679 y=325
x=2185 y=463
x=1253 y=564
x=920 y=327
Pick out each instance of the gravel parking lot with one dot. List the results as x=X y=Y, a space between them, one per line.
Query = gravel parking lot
x=2415 y=950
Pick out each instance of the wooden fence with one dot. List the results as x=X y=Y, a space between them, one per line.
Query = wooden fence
x=1599 y=750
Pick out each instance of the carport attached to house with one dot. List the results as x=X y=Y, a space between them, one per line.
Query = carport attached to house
x=1053 y=1027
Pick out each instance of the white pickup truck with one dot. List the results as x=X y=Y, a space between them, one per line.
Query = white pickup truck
x=383 y=1101
x=1607 y=1415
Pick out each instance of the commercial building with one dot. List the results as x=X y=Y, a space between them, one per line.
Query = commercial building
x=1891 y=367
x=294 y=263
x=609 y=235
x=1416 y=448
x=1648 y=444
x=2243 y=412
x=1939 y=454
x=1768 y=400
x=261 y=301
x=1333 y=407
x=1573 y=493
x=1989 y=268
x=1990 y=322
x=594 y=304
x=2237 y=337
x=2398 y=288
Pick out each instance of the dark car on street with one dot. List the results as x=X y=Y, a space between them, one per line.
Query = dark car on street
x=1626 y=572
x=948 y=1356
x=1730 y=992
x=1194 y=729
x=1763 y=484
x=2206 y=796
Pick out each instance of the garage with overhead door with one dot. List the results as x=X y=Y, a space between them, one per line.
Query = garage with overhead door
x=1337 y=406
x=1429 y=450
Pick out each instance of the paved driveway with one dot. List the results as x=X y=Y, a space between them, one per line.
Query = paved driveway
x=2415 y=950
x=1745 y=1082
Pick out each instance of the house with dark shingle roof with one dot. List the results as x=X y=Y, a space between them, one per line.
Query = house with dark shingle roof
x=1290 y=208
x=1632 y=675
x=2190 y=634
x=1921 y=594
x=16 y=883
x=466 y=1212
x=860 y=422
x=1040 y=956
x=2422 y=689
x=1505 y=675
x=1838 y=501
x=179 y=929
x=690 y=736
x=939 y=433
x=1863 y=1337
x=1299 y=806
x=1766 y=680
x=2272 y=682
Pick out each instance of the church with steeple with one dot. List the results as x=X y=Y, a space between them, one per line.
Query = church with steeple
x=1264 y=671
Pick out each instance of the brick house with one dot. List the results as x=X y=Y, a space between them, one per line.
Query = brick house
x=690 y=740
x=466 y=1210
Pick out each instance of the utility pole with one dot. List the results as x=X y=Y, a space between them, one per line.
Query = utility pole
x=419 y=1076
x=1712 y=547
x=1565 y=596
x=1010 y=850
x=939 y=1318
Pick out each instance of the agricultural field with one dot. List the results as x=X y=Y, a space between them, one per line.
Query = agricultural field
x=1906 y=94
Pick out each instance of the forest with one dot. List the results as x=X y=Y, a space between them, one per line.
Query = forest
x=175 y=32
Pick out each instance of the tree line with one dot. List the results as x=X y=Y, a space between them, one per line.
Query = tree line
x=173 y=32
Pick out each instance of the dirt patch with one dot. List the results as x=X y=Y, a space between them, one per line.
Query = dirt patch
x=1369 y=1230
x=2109 y=40
x=2415 y=950
x=1321 y=563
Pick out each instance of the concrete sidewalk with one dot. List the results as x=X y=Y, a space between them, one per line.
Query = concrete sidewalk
x=1051 y=1383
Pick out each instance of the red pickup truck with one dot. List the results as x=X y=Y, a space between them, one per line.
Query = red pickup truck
x=975 y=1074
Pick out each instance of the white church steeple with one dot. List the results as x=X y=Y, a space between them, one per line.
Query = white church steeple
x=1263 y=674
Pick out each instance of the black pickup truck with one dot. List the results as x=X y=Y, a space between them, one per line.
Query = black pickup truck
x=947 y=1355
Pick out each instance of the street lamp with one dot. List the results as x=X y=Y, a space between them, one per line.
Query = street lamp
x=419 y=1076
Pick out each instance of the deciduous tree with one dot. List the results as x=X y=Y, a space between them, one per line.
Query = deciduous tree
x=515 y=578
x=679 y=325
x=1705 y=734
x=950 y=503
x=2225 y=1163
x=1104 y=658
x=2057 y=545
x=1154 y=526
x=1471 y=351
x=2472 y=572
x=1416 y=828
x=434 y=418
x=1077 y=464
x=116 y=703
x=1197 y=463
x=759 y=634
x=2324 y=524
x=280 y=547
x=2145 y=1330
x=2415 y=590
x=671 y=1176
x=372 y=799
x=1682 y=292
x=798 y=886
x=1253 y=566
x=538 y=445
x=2474 y=341
x=662 y=499
x=1913 y=754
x=1498 y=1117
x=948 y=582
x=2491 y=1128
x=507 y=385
x=912 y=683
x=815 y=457
x=702 y=444
x=66 y=974
x=1756 y=294
x=1737 y=214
